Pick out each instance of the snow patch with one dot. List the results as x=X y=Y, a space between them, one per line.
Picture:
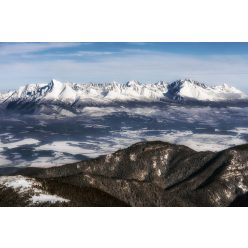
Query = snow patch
x=19 y=183
x=42 y=198
x=25 y=186
x=132 y=157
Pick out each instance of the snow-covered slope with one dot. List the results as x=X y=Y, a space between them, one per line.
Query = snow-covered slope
x=189 y=89
x=28 y=92
x=132 y=90
x=71 y=92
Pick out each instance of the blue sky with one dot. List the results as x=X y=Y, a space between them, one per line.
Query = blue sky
x=212 y=63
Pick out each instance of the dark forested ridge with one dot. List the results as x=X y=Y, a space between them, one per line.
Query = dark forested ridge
x=144 y=174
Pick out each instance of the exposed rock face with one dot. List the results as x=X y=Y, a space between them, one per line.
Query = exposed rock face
x=154 y=174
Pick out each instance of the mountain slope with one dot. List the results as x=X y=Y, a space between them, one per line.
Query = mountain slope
x=152 y=174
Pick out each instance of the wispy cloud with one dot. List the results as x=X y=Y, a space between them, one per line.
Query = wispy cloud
x=145 y=67
x=93 y=53
x=26 y=48
x=79 y=64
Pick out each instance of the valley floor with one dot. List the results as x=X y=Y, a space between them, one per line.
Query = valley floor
x=53 y=140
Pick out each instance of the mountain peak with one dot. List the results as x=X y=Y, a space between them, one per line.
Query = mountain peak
x=187 y=81
x=133 y=83
x=55 y=83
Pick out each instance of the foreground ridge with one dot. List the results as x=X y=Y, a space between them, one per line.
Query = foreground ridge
x=144 y=174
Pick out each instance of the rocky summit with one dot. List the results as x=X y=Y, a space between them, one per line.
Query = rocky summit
x=144 y=174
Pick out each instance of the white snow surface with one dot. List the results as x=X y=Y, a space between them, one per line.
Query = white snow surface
x=194 y=90
x=132 y=90
x=20 y=183
x=41 y=198
x=30 y=187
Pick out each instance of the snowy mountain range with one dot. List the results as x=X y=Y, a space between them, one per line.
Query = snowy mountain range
x=71 y=93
